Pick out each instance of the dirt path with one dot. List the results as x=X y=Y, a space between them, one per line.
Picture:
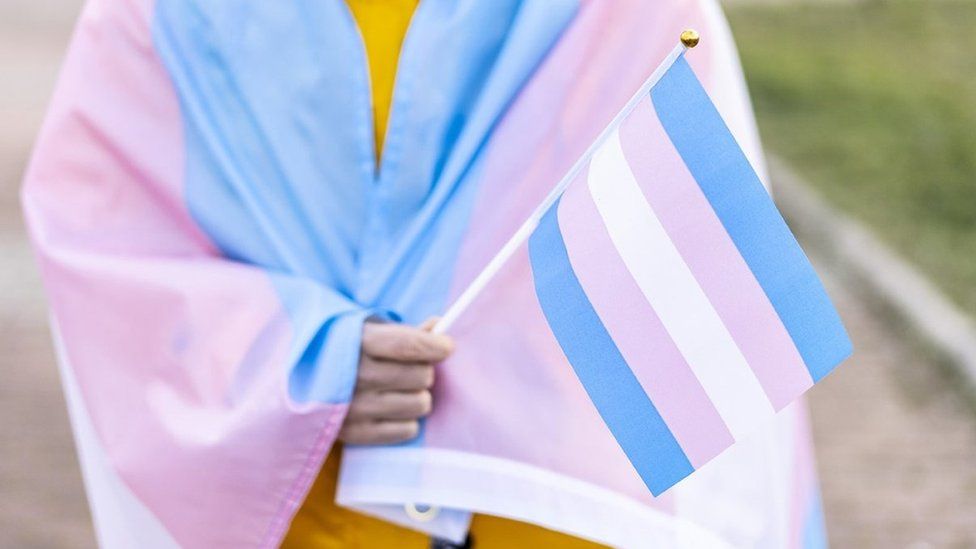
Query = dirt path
x=896 y=446
x=41 y=499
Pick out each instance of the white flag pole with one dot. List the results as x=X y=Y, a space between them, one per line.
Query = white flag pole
x=689 y=39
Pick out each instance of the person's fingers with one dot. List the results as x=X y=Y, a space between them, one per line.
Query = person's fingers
x=378 y=432
x=390 y=405
x=393 y=376
x=404 y=343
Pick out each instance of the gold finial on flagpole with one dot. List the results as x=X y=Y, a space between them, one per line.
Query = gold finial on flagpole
x=690 y=38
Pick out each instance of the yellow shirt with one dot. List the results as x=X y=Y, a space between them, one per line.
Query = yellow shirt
x=383 y=26
x=320 y=523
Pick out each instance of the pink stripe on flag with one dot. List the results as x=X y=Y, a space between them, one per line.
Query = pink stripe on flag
x=636 y=329
x=711 y=255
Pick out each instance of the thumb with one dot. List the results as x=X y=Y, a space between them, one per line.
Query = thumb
x=428 y=325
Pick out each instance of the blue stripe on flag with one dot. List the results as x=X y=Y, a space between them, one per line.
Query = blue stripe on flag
x=732 y=187
x=611 y=385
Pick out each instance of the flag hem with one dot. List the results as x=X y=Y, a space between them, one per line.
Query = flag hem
x=477 y=483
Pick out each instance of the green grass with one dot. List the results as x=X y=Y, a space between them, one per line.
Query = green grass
x=875 y=103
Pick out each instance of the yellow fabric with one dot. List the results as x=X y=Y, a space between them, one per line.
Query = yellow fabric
x=383 y=25
x=320 y=523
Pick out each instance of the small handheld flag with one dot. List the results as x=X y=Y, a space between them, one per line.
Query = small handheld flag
x=673 y=285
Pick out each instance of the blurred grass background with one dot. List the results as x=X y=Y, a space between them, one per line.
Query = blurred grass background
x=875 y=103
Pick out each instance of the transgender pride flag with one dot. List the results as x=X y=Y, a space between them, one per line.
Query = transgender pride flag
x=674 y=287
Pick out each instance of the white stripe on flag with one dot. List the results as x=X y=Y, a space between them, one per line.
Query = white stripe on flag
x=671 y=289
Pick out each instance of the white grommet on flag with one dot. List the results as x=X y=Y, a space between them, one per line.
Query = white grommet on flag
x=421 y=513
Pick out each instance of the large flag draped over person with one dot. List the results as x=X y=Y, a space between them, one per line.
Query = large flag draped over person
x=212 y=231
